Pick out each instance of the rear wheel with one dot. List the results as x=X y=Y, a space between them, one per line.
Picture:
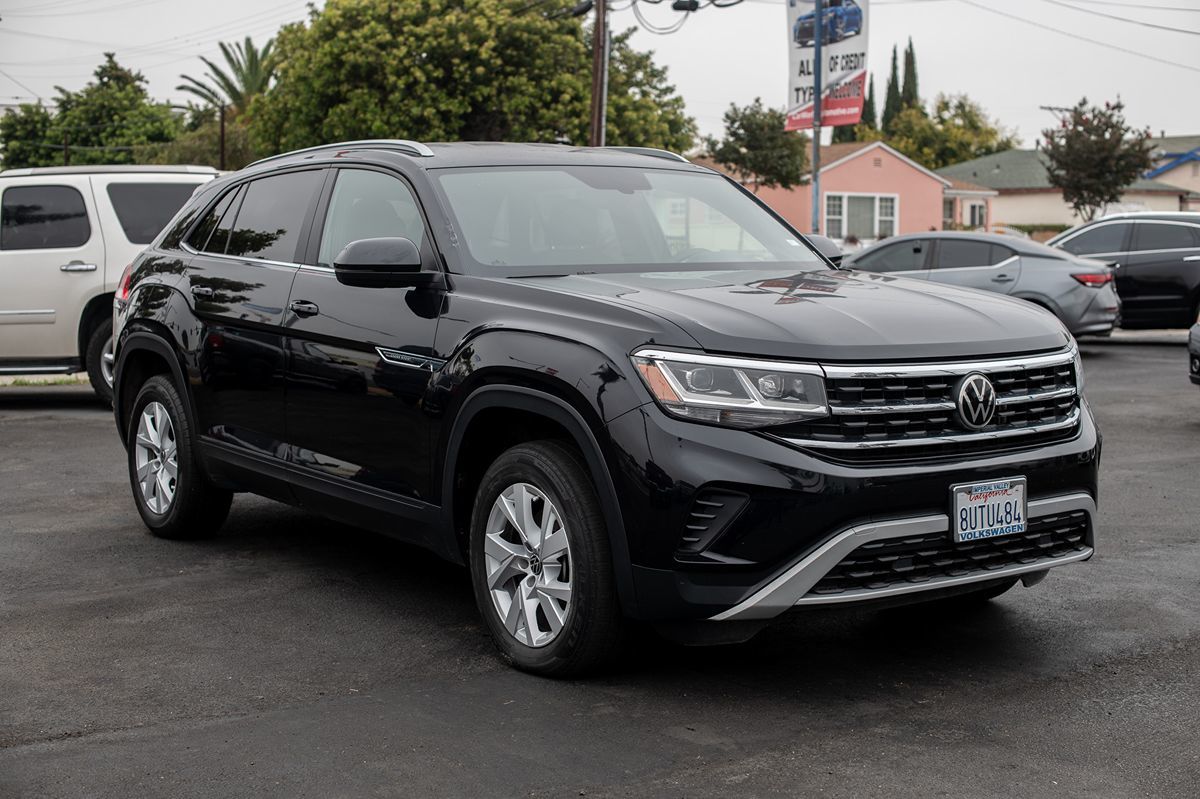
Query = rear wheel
x=540 y=562
x=98 y=359
x=173 y=497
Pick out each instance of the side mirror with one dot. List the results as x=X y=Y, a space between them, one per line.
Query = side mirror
x=381 y=263
x=826 y=247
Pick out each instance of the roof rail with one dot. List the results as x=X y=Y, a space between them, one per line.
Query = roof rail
x=411 y=147
x=653 y=152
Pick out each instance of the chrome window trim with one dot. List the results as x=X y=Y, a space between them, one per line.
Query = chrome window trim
x=950 y=368
x=790 y=588
x=960 y=438
x=733 y=362
x=240 y=259
x=997 y=265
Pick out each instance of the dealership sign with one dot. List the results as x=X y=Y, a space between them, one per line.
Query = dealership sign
x=843 y=32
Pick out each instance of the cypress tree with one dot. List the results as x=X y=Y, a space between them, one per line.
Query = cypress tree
x=868 y=114
x=891 y=101
x=909 y=96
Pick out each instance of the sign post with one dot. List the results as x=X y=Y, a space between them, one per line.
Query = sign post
x=819 y=13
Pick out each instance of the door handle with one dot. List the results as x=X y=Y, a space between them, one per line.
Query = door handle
x=1192 y=258
x=1002 y=279
x=201 y=292
x=77 y=266
x=304 y=308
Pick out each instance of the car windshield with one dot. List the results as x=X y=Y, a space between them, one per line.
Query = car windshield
x=568 y=219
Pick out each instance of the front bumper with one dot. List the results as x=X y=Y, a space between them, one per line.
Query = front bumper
x=794 y=586
x=802 y=513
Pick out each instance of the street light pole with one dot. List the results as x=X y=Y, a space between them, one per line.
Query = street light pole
x=599 y=75
x=818 y=33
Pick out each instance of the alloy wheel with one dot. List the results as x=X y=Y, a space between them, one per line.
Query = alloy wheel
x=155 y=458
x=108 y=362
x=528 y=564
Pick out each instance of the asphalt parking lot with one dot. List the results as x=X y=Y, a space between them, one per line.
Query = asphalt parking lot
x=295 y=657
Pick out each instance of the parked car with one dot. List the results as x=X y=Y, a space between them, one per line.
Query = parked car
x=1077 y=290
x=841 y=19
x=1157 y=258
x=65 y=235
x=605 y=406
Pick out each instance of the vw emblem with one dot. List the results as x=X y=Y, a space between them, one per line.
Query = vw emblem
x=975 y=399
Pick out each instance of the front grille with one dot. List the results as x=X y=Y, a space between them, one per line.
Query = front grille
x=926 y=558
x=902 y=412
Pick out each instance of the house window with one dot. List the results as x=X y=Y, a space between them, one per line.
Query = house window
x=948 y=213
x=978 y=215
x=834 y=220
x=864 y=216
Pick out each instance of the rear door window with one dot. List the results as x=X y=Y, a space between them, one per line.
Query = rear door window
x=272 y=215
x=1100 y=239
x=959 y=253
x=43 y=218
x=144 y=209
x=900 y=256
x=1164 y=236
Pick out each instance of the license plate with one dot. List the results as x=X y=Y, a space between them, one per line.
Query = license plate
x=987 y=510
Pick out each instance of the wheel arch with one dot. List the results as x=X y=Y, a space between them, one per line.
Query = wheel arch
x=94 y=312
x=144 y=352
x=553 y=413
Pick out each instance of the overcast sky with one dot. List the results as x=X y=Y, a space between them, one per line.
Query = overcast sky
x=721 y=55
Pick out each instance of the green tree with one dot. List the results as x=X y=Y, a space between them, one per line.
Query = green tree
x=868 y=115
x=909 y=95
x=248 y=72
x=891 y=101
x=957 y=130
x=454 y=70
x=1093 y=155
x=758 y=149
x=25 y=138
x=108 y=121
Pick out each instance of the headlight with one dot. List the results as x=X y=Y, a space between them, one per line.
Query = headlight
x=736 y=392
x=1078 y=372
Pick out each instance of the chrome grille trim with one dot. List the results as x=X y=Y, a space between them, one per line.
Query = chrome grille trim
x=949 y=369
x=965 y=438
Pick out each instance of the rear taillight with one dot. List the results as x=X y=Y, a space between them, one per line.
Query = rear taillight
x=123 y=285
x=1094 y=279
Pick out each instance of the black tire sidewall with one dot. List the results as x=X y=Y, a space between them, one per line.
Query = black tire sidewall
x=558 y=473
x=92 y=359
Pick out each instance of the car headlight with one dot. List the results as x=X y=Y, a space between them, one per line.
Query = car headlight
x=1078 y=372
x=736 y=392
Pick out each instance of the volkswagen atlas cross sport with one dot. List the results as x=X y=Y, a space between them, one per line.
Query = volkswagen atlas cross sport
x=611 y=383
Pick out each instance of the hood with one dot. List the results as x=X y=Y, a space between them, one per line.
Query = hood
x=826 y=315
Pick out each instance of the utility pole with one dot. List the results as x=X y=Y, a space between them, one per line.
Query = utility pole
x=599 y=74
x=221 y=158
x=818 y=34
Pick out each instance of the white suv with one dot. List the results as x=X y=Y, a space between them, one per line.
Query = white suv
x=66 y=234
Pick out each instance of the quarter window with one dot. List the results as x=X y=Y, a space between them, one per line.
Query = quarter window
x=1100 y=239
x=212 y=234
x=959 y=253
x=144 y=209
x=1159 y=236
x=43 y=218
x=271 y=216
x=368 y=205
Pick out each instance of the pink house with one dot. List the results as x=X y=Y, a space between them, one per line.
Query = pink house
x=871 y=191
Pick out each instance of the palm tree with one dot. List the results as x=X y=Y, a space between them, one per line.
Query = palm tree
x=250 y=71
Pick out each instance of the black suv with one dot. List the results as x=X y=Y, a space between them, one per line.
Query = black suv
x=612 y=383
x=1157 y=256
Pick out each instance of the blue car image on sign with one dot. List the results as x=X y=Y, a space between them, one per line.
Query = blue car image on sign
x=988 y=510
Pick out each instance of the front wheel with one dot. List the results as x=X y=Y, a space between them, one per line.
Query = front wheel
x=172 y=494
x=540 y=562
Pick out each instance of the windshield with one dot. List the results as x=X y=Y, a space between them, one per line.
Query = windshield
x=568 y=219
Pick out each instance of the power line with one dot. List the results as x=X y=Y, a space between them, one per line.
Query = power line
x=22 y=85
x=1062 y=32
x=1123 y=19
x=1138 y=6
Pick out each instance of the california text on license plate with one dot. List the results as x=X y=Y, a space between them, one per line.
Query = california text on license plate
x=987 y=510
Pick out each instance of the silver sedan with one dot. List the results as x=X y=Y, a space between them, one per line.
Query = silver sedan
x=1079 y=291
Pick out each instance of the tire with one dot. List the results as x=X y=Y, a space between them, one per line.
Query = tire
x=569 y=636
x=189 y=506
x=98 y=359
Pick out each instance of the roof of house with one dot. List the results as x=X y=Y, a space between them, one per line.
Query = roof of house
x=1025 y=170
x=1174 y=145
x=834 y=154
x=966 y=187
